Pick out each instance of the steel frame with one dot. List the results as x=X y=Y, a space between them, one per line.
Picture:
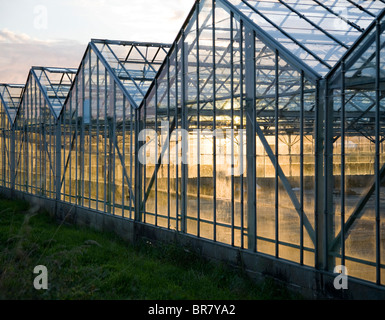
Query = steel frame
x=223 y=71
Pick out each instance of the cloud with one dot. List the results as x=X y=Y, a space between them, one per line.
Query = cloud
x=20 y=52
x=134 y=20
x=7 y=36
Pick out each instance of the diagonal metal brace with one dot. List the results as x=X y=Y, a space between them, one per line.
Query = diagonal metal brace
x=285 y=183
x=158 y=164
x=358 y=212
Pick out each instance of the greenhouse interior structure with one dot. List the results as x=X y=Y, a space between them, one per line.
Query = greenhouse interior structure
x=261 y=127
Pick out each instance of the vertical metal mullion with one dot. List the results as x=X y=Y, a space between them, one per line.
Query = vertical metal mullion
x=47 y=125
x=232 y=123
x=23 y=163
x=144 y=165
x=168 y=137
x=35 y=139
x=90 y=131
x=17 y=144
x=30 y=130
x=27 y=138
x=114 y=140
x=105 y=139
x=30 y=135
x=4 y=176
x=70 y=150
x=276 y=120
x=52 y=150
x=377 y=152
x=302 y=105
x=198 y=121
x=97 y=131
x=328 y=176
x=77 y=133
x=58 y=151
x=124 y=151
x=5 y=149
x=184 y=113
x=42 y=142
x=250 y=83
x=241 y=44
x=26 y=131
x=65 y=127
x=343 y=119
x=47 y=134
x=82 y=137
x=176 y=139
x=138 y=166
x=5 y=132
x=12 y=144
x=132 y=150
x=214 y=128
x=317 y=165
x=41 y=146
x=156 y=152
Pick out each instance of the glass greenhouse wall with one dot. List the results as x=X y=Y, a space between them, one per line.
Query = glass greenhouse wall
x=261 y=127
x=239 y=181
x=99 y=124
x=355 y=158
x=36 y=134
x=10 y=95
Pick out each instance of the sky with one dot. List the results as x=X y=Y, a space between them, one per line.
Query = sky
x=55 y=33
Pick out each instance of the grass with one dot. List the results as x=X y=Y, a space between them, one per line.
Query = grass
x=84 y=264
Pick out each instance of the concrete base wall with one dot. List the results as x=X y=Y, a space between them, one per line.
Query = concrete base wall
x=307 y=281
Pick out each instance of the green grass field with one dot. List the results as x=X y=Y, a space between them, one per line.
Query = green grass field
x=84 y=264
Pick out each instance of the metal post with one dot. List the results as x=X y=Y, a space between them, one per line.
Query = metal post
x=250 y=138
x=241 y=107
x=232 y=125
x=184 y=111
x=12 y=160
x=329 y=179
x=319 y=171
x=58 y=160
x=214 y=125
x=276 y=155
x=301 y=201
x=138 y=167
x=343 y=119
x=198 y=120
x=377 y=153
x=109 y=164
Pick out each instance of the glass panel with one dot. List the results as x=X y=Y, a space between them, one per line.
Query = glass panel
x=135 y=64
x=312 y=31
x=9 y=103
x=98 y=166
x=355 y=161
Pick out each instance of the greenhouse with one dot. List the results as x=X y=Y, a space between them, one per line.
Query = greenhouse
x=98 y=124
x=37 y=150
x=9 y=104
x=261 y=127
x=294 y=88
